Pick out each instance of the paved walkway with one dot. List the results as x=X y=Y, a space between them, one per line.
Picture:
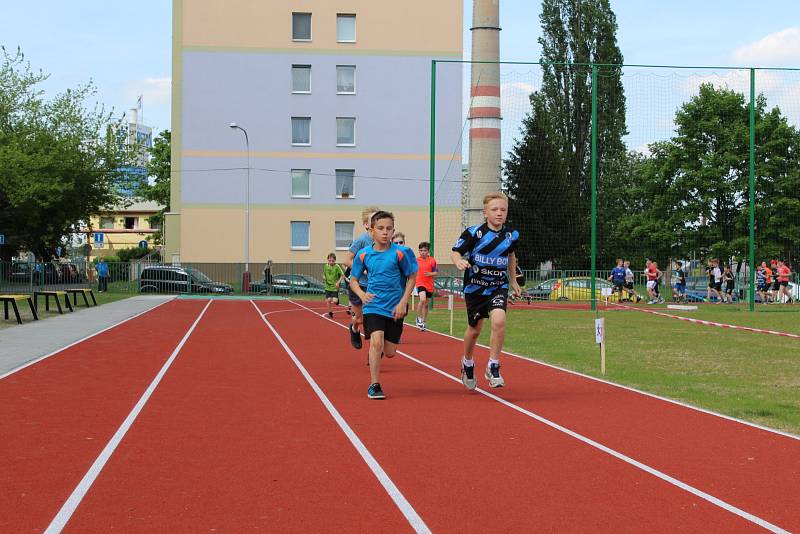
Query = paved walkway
x=30 y=341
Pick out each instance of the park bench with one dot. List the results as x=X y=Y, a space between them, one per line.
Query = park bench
x=13 y=299
x=56 y=296
x=82 y=291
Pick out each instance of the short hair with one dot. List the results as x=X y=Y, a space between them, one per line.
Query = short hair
x=399 y=234
x=424 y=244
x=332 y=255
x=497 y=195
x=619 y=260
x=679 y=264
x=380 y=214
x=367 y=212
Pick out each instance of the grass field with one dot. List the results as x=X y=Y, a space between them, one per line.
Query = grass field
x=751 y=376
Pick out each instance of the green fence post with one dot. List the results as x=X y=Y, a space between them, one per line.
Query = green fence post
x=432 y=163
x=752 y=297
x=594 y=185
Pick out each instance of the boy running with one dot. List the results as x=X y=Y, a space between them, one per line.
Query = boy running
x=485 y=252
x=761 y=281
x=392 y=272
x=617 y=279
x=333 y=275
x=679 y=289
x=652 y=274
x=362 y=241
x=629 y=282
x=730 y=284
x=426 y=270
x=784 y=274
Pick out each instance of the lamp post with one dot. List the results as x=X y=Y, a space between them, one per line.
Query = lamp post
x=235 y=126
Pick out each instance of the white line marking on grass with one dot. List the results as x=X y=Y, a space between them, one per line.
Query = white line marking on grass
x=40 y=358
x=394 y=492
x=65 y=513
x=620 y=456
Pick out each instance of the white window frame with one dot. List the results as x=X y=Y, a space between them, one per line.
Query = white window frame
x=298 y=66
x=347 y=246
x=355 y=84
x=353 y=183
x=310 y=27
x=337 y=132
x=350 y=16
x=309 y=132
x=308 y=177
x=291 y=245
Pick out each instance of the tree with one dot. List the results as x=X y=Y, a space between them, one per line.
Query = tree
x=58 y=166
x=160 y=168
x=576 y=33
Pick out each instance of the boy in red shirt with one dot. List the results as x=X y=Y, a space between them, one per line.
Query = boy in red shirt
x=426 y=270
x=784 y=273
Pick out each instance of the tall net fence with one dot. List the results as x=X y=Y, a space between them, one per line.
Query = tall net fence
x=655 y=162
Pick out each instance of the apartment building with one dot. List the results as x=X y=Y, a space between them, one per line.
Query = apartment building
x=331 y=105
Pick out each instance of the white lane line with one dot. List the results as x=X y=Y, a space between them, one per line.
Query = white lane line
x=40 y=358
x=620 y=456
x=633 y=390
x=65 y=513
x=394 y=492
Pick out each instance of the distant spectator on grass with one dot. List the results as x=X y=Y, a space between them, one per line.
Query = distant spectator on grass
x=102 y=276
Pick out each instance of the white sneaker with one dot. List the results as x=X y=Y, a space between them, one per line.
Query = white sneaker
x=493 y=376
x=422 y=327
x=468 y=376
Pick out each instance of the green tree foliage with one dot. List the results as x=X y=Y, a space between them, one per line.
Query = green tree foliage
x=159 y=169
x=690 y=196
x=55 y=167
x=575 y=33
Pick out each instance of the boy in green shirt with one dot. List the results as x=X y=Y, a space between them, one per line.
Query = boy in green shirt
x=333 y=275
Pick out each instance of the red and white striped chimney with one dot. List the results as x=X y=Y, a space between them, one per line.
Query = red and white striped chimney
x=484 y=111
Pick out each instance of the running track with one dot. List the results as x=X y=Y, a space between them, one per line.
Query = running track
x=231 y=416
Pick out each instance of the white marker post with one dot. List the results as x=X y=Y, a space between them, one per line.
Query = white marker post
x=600 y=339
x=450 y=307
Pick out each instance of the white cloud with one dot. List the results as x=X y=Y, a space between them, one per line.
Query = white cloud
x=156 y=91
x=779 y=49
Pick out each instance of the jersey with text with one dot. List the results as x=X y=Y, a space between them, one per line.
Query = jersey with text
x=487 y=251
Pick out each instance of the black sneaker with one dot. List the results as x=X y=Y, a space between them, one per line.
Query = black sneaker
x=355 y=338
x=330 y=315
x=375 y=392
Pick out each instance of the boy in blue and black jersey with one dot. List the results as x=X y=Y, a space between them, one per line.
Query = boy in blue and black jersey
x=392 y=273
x=617 y=278
x=485 y=253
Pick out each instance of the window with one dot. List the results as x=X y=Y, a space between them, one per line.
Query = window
x=301 y=130
x=345 y=131
x=345 y=79
x=344 y=183
x=301 y=26
x=344 y=234
x=106 y=223
x=131 y=223
x=300 y=235
x=300 y=183
x=155 y=222
x=301 y=78
x=345 y=28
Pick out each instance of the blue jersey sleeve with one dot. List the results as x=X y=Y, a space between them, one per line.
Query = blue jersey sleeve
x=408 y=263
x=358 y=264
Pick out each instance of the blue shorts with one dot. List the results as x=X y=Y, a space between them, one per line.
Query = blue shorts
x=680 y=288
x=354 y=299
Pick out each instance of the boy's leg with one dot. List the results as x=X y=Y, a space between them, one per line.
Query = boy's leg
x=467 y=361
x=497 y=317
x=357 y=319
x=376 y=347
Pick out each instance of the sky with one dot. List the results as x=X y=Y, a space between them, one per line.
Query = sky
x=125 y=47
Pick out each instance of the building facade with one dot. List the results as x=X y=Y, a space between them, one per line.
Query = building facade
x=334 y=97
x=121 y=228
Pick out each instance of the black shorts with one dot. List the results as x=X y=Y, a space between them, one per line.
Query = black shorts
x=628 y=285
x=392 y=329
x=354 y=299
x=617 y=287
x=762 y=286
x=784 y=283
x=479 y=306
x=332 y=295
x=421 y=290
x=716 y=286
x=729 y=288
x=776 y=285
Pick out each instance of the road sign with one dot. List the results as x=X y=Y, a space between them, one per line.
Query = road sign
x=143 y=244
x=99 y=240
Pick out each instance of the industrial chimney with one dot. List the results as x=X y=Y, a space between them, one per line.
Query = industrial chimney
x=484 y=111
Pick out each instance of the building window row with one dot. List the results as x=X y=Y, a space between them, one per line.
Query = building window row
x=345 y=131
x=301 y=183
x=300 y=234
x=345 y=27
x=345 y=79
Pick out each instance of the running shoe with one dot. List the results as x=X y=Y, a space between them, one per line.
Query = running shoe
x=493 y=375
x=355 y=338
x=330 y=315
x=419 y=323
x=375 y=392
x=422 y=326
x=468 y=376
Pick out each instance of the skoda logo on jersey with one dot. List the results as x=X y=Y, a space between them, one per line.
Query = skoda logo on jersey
x=475 y=268
x=479 y=234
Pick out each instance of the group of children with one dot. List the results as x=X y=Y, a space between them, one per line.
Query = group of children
x=772 y=282
x=384 y=273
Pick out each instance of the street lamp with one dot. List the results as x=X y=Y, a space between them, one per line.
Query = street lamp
x=235 y=126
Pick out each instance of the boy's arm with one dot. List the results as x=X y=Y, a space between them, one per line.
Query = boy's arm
x=512 y=268
x=348 y=259
x=459 y=262
x=402 y=307
x=358 y=268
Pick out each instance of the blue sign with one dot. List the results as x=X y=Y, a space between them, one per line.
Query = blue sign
x=98 y=240
x=143 y=244
x=2 y=239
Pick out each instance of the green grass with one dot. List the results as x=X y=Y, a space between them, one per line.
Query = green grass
x=750 y=376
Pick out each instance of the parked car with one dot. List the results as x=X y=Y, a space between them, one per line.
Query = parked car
x=579 y=288
x=175 y=279
x=540 y=291
x=38 y=273
x=290 y=283
x=70 y=274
